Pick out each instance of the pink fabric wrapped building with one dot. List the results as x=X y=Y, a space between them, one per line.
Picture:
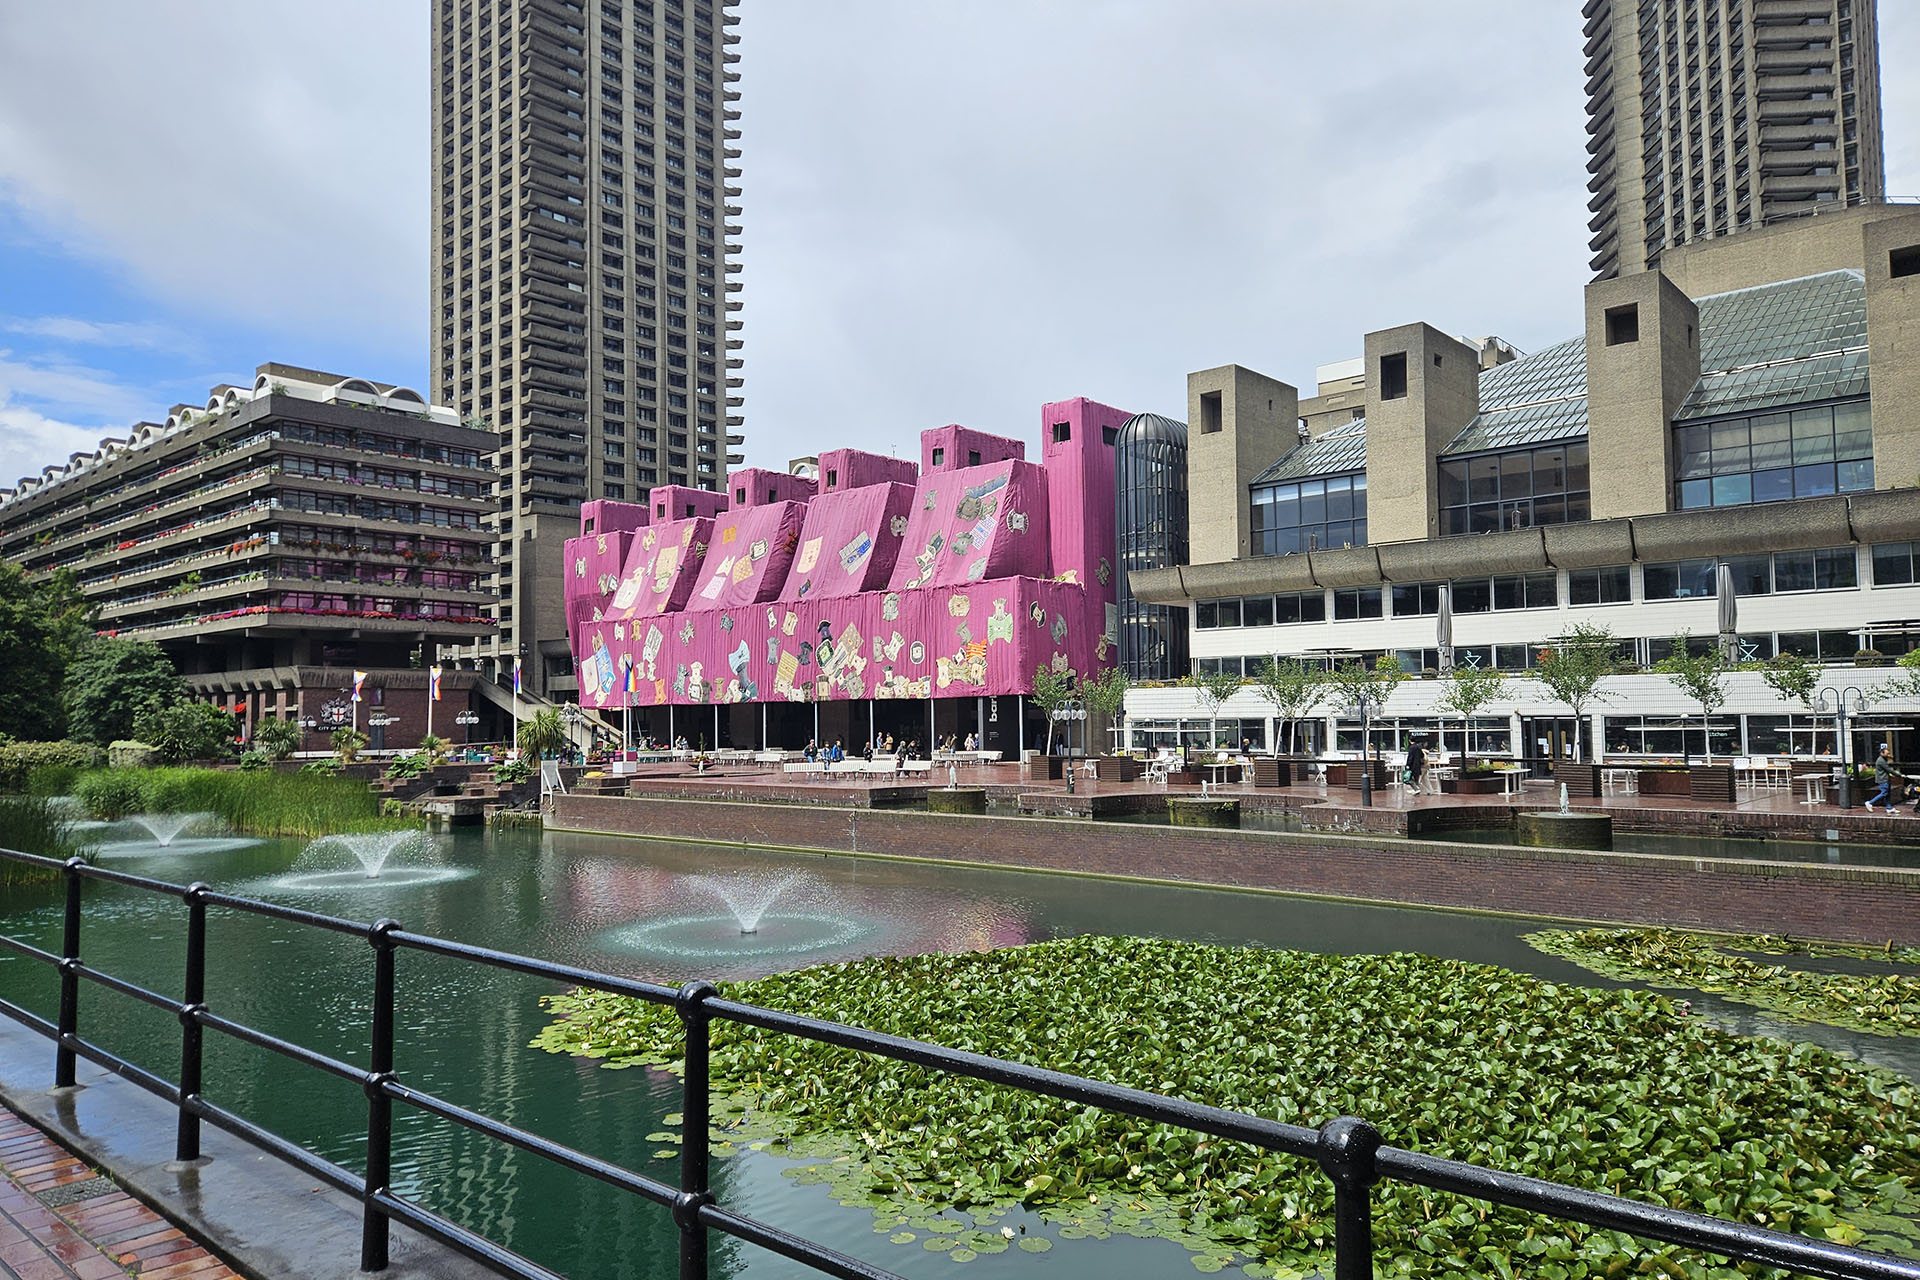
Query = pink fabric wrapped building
x=874 y=597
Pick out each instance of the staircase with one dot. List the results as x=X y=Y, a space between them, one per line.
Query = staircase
x=528 y=703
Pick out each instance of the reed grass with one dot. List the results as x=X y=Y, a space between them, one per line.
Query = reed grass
x=33 y=824
x=256 y=802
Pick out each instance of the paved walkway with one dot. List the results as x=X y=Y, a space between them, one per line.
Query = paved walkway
x=60 y=1220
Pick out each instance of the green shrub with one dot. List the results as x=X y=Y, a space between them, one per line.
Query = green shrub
x=323 y=768
x=511 y=773
x=128 y=754
x=254 y=761
x=18 y=760
x=408 y=766
x=276 y=739
x=110 y=794
x=52 y=780
x=189 y=731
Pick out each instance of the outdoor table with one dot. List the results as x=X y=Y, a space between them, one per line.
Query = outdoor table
x=1625 y=779
x=1815 y=785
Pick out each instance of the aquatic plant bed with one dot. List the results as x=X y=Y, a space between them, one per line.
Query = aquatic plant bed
x=1611 y=1090
x=1881 y=995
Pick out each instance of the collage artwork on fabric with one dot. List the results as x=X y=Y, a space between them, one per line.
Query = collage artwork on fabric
x=873 y=579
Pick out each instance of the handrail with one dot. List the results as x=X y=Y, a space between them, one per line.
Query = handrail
x=1348 y=1149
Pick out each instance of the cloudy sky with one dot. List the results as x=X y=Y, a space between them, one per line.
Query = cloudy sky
x=954 y=212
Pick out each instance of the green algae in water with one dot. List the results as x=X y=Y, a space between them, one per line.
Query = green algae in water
x=1613 y=1091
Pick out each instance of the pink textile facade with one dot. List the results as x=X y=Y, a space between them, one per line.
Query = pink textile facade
x=858 y=586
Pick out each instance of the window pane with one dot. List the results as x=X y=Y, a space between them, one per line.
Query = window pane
x=1751 y=575
x=1892 y=564
x=1576 y=468
x=1693 y=452
x=1729 y=491
x=1339 y=501
x=1229 y=613
x=1812 y=481
x=1483 y=479
x=1313 y=606
x=1793 y=571
x=1470 y=596
x=1286 y=507
x=1206 y=614
x=1856 y=475
x=1508 y=593
x=1695 y=493
x=1813 y=435
x=1837 y=569
x=1516 y=476
x=1453 y=483
x=1286 y=609
x=1313 y=502
x=1773 y=486
x=1370 y=602
x=1256 y=611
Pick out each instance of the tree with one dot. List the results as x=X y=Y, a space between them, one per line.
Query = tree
x=434 y=747
x=542 y=734
x=1106 y=695
x=1572 y=666
x=44 y=623
x=188 y=731
x=1469 y=690
x=276 y=739
x=1702 y=677
x=1293 y=688
x=1051 y=689
x=1353 y=681
x=1214 y=688
x=1792 y=677
x=111 y=684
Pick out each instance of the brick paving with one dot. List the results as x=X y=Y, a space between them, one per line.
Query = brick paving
x=60 y=1220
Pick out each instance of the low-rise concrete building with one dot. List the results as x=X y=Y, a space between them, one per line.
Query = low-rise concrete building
x=1720 y=415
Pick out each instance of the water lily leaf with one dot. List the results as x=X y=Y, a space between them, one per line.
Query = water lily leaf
x=903 y=1237
x=1034 y=1244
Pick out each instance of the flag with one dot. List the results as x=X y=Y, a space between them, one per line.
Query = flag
x=433 y=683
x=516 y=677
x=628 y=684
x=359 y=678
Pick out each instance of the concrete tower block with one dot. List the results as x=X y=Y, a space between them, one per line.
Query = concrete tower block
x=1893 y=340
x=1422 y=388
x=1241 y=423
x=1643 y=361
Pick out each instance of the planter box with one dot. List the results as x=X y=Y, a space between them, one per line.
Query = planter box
x=1711 y=782
x=1477 y=785
x=1580 y=780
x=1185 y=778
x=1665 y=782
x=1272 y=773
x=1043 y=768
x=1355 y=770
x=1116 y=768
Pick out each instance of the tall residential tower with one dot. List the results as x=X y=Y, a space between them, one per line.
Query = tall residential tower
x=1707 y=117
x=584 y=264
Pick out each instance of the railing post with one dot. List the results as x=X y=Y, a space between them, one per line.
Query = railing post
x=63 y=1057
x=1347 y=1147
x=186 y=1144
x=373 y=1222
x=695 y=1123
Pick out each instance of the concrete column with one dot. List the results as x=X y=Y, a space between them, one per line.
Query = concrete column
x=1643 y=361
x=1240 y=423
x=1423 y=387
x=1893 y=331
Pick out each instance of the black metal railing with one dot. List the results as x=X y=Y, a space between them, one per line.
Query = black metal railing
x=1349 y=1150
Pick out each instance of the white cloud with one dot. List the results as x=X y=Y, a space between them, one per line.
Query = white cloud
x=50 y=410
x=261 y=162
x=111 y=333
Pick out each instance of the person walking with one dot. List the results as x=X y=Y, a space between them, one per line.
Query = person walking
x=1416 y=766
x=1883 y=775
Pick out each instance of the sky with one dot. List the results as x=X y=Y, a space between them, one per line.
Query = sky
x=953 y=212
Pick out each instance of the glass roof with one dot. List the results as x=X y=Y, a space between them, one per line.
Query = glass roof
x=1338 y=451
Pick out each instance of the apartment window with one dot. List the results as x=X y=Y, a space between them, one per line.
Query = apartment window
x=1772 y=457
x=1356 y=602
x=1486 y=492
x=1301 y=606
x=1309 y=515
x=1416 y=599
x=1393 y=376
x=1209 y=615
x=1610 y=585
x=939 y=456
x=1823 y=569
x=1062 y=432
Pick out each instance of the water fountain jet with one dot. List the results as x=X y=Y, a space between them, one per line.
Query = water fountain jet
x=166 y=827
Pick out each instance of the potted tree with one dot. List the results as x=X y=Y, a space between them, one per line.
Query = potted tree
x=1105 y=697
x=1571 y=668
x=1293 y=688
x=1702 y=678
x=1469 y=691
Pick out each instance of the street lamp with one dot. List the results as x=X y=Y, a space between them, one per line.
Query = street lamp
x=1067 y=712
x=1836 y=706
x=570 y=713
x=1364 y=706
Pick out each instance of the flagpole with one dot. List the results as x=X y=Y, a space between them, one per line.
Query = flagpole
x=433 y=696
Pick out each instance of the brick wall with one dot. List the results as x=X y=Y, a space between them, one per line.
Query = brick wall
x=1851 y=903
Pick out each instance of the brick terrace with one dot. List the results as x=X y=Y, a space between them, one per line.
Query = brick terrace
x=1776 y=815
x=60 y=1220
